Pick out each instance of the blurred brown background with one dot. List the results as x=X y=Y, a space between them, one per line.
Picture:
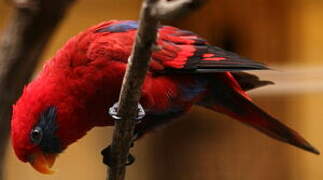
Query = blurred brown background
x=204 y=145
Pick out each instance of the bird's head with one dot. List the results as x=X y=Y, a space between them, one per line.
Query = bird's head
x=36 y=142
x=44 y=124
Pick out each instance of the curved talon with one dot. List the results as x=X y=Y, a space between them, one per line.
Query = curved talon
x=107 y=160
x=106 y=153
x=131 y=160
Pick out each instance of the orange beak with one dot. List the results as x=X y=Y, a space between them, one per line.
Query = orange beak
x=42 y=162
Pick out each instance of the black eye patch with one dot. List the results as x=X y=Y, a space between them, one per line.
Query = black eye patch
x=44 y=132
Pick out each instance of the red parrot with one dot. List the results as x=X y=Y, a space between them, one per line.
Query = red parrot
x=76 y=87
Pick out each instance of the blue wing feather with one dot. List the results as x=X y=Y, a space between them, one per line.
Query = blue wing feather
x=124 y=26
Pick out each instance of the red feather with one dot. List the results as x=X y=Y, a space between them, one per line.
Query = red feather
x=84 y=78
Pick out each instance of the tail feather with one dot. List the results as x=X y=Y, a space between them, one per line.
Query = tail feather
x=249 y=81
x=239 y=107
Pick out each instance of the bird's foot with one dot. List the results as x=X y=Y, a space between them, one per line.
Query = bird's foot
x=113 y=111
x=107 y=158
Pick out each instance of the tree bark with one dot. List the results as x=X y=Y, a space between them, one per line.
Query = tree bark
x=151 y=12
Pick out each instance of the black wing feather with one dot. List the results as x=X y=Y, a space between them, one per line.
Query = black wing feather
x=227 y=61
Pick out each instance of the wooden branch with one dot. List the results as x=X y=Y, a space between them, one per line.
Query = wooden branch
x=134 y=78
x=166 y=9
x=21 y=45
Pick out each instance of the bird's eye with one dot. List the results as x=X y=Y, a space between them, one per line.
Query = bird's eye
x=36 y=135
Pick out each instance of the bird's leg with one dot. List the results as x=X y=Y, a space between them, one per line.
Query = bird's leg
x=113 y=111
x=107 y=160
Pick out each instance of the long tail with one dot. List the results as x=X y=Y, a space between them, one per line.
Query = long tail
x=229 y=101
